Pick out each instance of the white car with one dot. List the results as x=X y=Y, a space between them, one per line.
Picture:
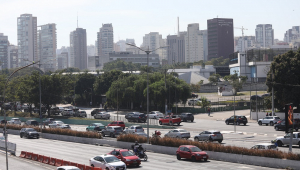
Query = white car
x=134 y=129
x=15 y=121
x=107 y=162
x=269 y=120
x=194 y=101
x=64 y=126
x=265 y=146
x=178 y=133
x=61 y=109
x=55 y=124
x=102 y=115
x=155 y=115
x=67 y=168
x=67 y=112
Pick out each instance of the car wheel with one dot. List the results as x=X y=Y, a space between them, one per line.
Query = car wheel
x=271 y=124
x=103 y=134
x=276 y=128
x=145 y=158
x=196 y=139
x=38 y=137
x=267 y=124
x=171 y=123
x=192 y=120
x=227 y=123
x=245 y=124
x=280 y=144
x=160 y=122
x=106 y=168
x=184 y=120
x=193 y=159
x=296 y=129
x=178 y=123
x=92 y=165
x=21 y=136
x=178 y=157
x=220 y=141
x=259 y=123
x=205 y=160
x=210 y=139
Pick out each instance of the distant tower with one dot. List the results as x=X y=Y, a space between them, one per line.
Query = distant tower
x=178 y=26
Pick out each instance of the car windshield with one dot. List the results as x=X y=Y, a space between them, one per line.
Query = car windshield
x=189 y=115
x=111 y=159
x=139 y=127
x=182 y=131
x=30 y=130
x=216 y=133
x=195 y=149
x=277 y=118
x=127 y=153
x=60 y=122
x=99 y=124
x=271 y=147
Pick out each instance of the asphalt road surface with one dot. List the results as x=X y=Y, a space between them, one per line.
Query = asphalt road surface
x=81 y=153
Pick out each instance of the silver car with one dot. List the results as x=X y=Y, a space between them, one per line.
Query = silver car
x=211 y=136
x=55 y=124
x=262 y=146
x=15 y=121
x=178 y=133
x=112 y=131
x=134 y=129
x=155 y=115
x=102 y=115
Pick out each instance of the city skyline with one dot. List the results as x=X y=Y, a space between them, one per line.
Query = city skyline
x=132 y=20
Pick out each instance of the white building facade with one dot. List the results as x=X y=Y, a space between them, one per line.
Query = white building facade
x=264 y=35
x=193 y=44
x=105 y=39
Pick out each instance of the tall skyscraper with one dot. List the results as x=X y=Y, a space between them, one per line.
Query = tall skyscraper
x=27 y=39
x=243 y=44
x=91 y=50
x=220 y=37
x=264 y=35
x=193 y=44
x=154 y=40
x=62 y=60
x=176 y=48
x=105 y=40
x=4 y=59
x=12 y=56
x=78 y=49
x=47 y=45
x=292 y=34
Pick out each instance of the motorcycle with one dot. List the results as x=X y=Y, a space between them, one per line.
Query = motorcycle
x=140 y=152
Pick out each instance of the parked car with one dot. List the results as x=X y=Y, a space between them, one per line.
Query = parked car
x=191 y=152
x=14 y=121
x=155 y=115
x=128 y=157
x=25 y=107
x=55 y=124
x=178 y=133
x=117 y=123
x=269 y=120
x=3 y=121
x=80 y=113
x=67 y=112
x=186 y=117
x=210 y=135
x=64 y=126
x=168 y=120
x=29 y=133
x=107 y=162
x=255 y=96
x=112 y=131
x=37 y=109
x=134 y=129
x=194 y=101
x=96 y=111
x=48 y=121
x=6 y=106
x=239 y=120
x=281 y=125
x=102 y=115
x=262 y=146
x=141 y=134
x=54 y=111
x=95 y=127
x=61 y=109
x=285 y=140
x=32 y=122
x=136 y=117
x=67 y=168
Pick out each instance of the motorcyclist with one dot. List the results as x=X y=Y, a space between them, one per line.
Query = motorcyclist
x=135 y=147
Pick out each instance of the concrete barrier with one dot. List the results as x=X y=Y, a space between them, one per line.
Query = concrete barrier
x=11 y=147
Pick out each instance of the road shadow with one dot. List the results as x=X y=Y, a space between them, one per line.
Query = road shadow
x=188 y=160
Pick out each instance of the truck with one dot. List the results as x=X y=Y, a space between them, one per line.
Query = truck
x=170 y=120
x=285 y=140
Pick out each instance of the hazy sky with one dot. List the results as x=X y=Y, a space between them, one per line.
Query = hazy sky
x=135 y=18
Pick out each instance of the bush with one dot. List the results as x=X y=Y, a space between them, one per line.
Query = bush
x=215 y=147
x=58 y=131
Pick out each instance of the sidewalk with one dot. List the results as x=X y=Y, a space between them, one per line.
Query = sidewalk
x=222 y=116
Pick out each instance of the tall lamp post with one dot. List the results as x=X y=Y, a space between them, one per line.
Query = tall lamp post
x=5 y=122
x=147 y=52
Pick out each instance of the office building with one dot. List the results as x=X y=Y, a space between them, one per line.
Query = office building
x=27 y=39
x=93 y=63
x=292 y=34
x=176 y=48
x=4 y=59
x=47 y=44
x=62 y=60
x=220 y=37
x=193 y=44
x=243 y=44
x=78 y=49
x=12 y=56
x=105 y=40
x=135 y=58
x=91 y=50
x=264 y=35
x=153 y=41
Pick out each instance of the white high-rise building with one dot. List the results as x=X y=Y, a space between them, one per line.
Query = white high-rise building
x=12 y=56
x=27 y=39
x=47 y=44
x=264 y=35
x=154 y=40
x=62 y=60
x=242 y=45
x=193 y=44
x=91 y=50
x=105 y=40
x=4 y=53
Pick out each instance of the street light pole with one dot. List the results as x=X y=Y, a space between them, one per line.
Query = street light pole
x=147 y=52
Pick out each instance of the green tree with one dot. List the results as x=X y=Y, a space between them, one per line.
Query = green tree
x=104 y=81
x=214 y=79
x=236 y=81
x=121 y=65
x=286 y=79
x=196 y=87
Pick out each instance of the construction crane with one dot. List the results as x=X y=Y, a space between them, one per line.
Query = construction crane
x=242 y=30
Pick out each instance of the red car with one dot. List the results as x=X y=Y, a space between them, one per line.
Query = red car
x=191 y=152
x=128 y=157
x=117 y=123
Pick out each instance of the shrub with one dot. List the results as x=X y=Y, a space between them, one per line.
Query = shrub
x=132 y=138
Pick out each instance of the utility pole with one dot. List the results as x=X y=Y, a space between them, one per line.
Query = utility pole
x=166 y=102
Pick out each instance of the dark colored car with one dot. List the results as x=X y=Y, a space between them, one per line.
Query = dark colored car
x=281 y=125
x=54 y=111
x=117 y=123
x=112 y=131
x=137 y=117
x=32 y=123
x=186 y=117
x=48 y=121
x=191 y=152
x=7 y=106
x=128 y=157
x=210 y=135
x=29 y=133
x=96 y=111
x=239 y=120
x=3 y=121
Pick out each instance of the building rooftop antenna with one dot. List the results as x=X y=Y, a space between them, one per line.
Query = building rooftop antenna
x=77 y=19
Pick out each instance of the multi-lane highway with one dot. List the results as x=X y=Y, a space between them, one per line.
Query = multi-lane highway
x=81 y=153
